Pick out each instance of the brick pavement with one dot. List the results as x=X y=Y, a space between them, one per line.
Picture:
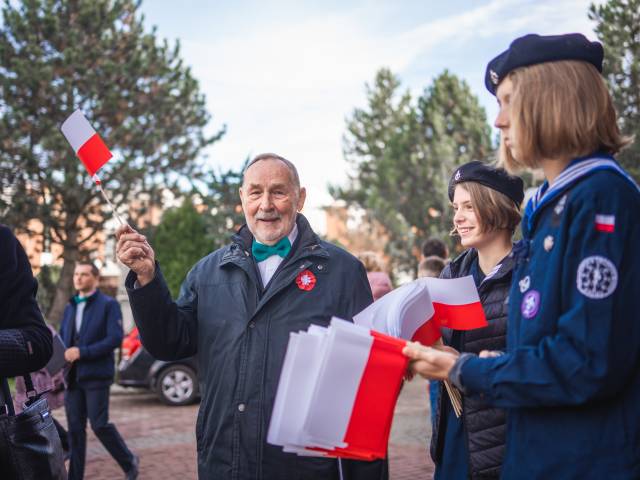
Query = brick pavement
x=164 y=437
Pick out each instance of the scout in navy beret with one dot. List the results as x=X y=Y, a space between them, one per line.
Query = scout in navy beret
x=533 y=49
x=495 y=178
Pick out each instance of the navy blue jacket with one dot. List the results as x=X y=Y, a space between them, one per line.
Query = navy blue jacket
x=571 y=376
x=25 y=340
x=240 y=333
x=100 y=334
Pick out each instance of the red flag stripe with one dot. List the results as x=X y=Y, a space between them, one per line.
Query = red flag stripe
x=605 y=227
x=428 y=333
x=370 y=424
x=459 y=317
x=94 y=154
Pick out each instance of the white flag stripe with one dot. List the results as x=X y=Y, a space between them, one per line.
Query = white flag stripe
x=299 y=374
x=458 y=291
x=77 y=130
x=606 y=219
x=335 y=393
x=415 y=314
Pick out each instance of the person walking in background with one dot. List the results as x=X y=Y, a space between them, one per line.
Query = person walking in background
x=92 y=329
x=486 y=211
x=379 y=280
x=54 y=386
x=236 y=310
x=570 y=378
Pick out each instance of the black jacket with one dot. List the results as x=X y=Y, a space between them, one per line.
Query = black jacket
x=240 y=334
x=25 y=340
x=485 y=426
x=100 y=334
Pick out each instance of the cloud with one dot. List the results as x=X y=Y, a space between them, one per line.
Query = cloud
x=287 y=86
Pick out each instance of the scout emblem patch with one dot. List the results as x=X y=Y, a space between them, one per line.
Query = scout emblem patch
x=524 y=284
x=606 y=223
x=597 y=277
x=306 y=280
x=530 y=304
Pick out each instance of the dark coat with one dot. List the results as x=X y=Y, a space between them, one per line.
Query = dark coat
x=571 y=376
x=485 y=426
x=100 y=334
x=240 y=334
x=25 y=340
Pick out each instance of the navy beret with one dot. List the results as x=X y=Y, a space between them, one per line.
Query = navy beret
x=533 y=49
x=495 y=178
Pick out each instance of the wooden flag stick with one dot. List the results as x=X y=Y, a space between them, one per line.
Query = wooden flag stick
x=106 y=197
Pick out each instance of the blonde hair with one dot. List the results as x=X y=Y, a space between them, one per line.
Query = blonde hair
x=494 y=210
x=560 y=110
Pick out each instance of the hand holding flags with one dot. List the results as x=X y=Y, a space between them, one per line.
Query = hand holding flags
x=89 y=148
x=337 y=392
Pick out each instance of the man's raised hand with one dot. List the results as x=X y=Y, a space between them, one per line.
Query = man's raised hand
x=134 y=251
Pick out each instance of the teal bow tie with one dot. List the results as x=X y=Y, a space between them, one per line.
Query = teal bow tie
x=262 y=252
x=78 y=299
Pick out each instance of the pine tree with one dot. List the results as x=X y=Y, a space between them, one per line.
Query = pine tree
x=179 y=241
x=59 y=55
x=618 y=27
x=403 y=156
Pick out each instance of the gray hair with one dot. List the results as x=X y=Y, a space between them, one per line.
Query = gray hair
x=272 y=156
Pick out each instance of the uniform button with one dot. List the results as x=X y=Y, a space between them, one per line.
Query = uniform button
x=320 y=267
x=241 y=407
x=301 y=266
x=246 y=253
x=252 y=324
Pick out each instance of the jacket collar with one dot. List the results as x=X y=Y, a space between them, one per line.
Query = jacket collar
x=307 y=243
x=577 y=169
x=90 y=299
x=461 y=266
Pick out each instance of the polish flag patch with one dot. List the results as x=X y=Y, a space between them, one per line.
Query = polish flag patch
x=605 y=223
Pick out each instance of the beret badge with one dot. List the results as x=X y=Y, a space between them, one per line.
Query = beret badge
x=494 y=77
x=457 y=175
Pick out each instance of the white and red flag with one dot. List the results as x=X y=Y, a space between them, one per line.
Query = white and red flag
x=337 y=392
x=417 y=310
x=87 y=144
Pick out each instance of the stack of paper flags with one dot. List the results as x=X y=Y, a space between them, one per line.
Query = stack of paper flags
x=417 y=310
x=337 y=392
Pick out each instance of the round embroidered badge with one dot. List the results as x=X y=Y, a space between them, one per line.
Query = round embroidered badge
x=530 y=304
x=306 y=280
x=597 y=277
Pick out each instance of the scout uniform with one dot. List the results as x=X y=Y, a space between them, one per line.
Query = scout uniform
x=571 y=376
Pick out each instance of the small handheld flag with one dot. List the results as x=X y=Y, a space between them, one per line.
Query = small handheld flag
x=84 y=140
x=90 y=149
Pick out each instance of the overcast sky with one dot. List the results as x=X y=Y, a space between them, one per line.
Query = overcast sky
x=284 y=75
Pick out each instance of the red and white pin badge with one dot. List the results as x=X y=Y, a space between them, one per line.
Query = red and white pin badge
x=306 y=280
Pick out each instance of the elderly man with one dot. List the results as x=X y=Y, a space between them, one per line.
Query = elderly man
x=236 y=309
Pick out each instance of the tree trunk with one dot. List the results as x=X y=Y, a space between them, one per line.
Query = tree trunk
x=64 y=287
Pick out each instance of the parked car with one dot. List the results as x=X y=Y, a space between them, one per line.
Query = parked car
x=175 y=382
